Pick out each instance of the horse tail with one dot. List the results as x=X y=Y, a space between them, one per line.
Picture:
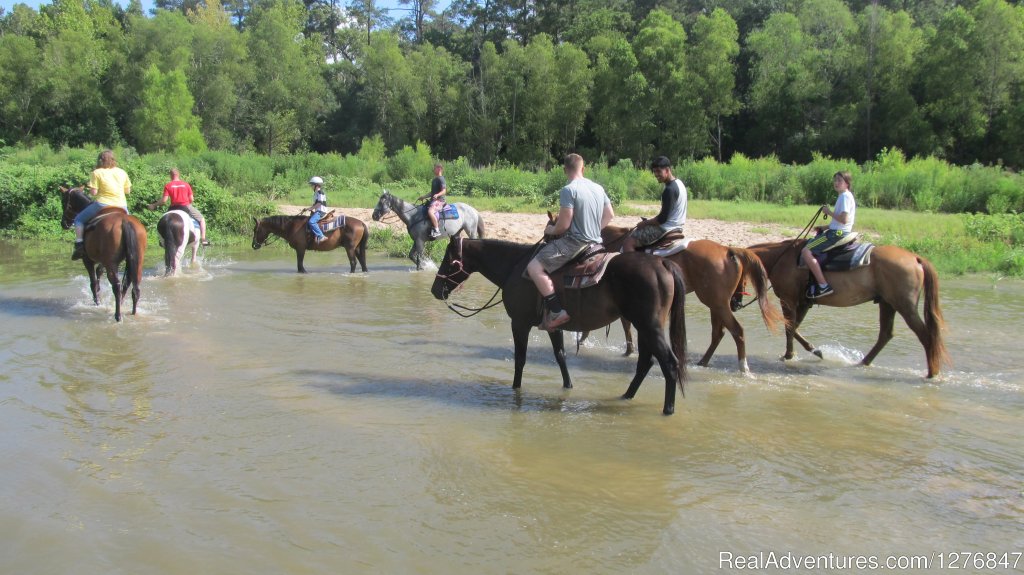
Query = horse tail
x=933 y=320
x=170 y=243
x=677 y=325
x=132 y=260
x=479 y=226
x=753 y=270
x=361 y=250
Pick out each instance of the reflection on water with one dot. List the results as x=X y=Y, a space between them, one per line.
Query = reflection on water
x=254 y=420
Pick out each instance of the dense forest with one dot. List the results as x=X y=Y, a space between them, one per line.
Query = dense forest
x=523 y=81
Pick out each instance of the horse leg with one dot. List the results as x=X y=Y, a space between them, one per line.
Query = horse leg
x=643 y=366
x=801 y=314
x=521 y=338
x=558 y=346
x=629 y=337
x=300 y=254
x=717 y=331
x=886 y=315
x=351 y=251
x=915 y=323
x=669 y=368
x=115 y=286
x=416 y=253
x=736 y=329
x=94 y=280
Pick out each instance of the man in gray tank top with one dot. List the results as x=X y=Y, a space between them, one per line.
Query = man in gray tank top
x=584 y=209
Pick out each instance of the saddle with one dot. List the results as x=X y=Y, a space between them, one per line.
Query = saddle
x=448 y=212
x=670 y=243
x=585 y=270
x=188 y=218
x=847 y=254
x=328 y=223
x=102 y=214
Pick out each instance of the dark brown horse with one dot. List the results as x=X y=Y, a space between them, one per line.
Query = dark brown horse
x=646 y=290
x=714 y=272
x=352 y=236
x=895 y=279
x=111 y=237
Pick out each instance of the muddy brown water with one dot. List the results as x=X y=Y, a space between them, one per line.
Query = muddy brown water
x=253 y=420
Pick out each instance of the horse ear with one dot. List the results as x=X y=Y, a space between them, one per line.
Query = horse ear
x=255 y=220
x=551 y=217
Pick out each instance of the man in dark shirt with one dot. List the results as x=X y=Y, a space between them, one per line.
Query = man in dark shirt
x=438 y=188
x=672 y=216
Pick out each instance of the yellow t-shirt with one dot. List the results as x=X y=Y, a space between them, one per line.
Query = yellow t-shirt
x=112 y=184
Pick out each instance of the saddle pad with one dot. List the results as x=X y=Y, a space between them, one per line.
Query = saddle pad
x=858 y=256
x=848 y=238
x=331 y=224
x=586 y=273
x=185 y=215
x=673 y=247
x=448 y=212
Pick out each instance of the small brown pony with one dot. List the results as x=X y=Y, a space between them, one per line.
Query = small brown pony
x=714 y=272
x=645 y=289
x=895 y=279
x=111 y=237
x=352 y=236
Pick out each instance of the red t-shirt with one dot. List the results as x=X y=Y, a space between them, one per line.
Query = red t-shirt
x=179 y=192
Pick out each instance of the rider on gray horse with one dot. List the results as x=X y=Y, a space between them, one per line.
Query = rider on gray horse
x=438 y=188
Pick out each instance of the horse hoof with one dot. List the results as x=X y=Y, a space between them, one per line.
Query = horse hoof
x=668 y=411
x=818 y=353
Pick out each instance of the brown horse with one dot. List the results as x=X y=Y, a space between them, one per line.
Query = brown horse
x=895 y=279
x=714 y=272
x=352 y=236
x=111 y=237
x=645 y=289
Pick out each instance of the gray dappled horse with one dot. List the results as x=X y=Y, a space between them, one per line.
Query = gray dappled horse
x=418 y=224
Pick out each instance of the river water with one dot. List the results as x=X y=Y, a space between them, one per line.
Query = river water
x=253 y=420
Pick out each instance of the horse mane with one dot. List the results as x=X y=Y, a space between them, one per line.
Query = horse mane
x=779 y=244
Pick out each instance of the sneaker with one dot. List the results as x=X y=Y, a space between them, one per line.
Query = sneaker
x=79 y=252
x=555 y=320
x=204 y=242
x=820 y=292
x=320 y=238
x=435 y=233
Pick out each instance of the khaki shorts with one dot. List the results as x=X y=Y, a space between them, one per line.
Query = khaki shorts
x=190 y=210
x=648 y=235
x=559 y=252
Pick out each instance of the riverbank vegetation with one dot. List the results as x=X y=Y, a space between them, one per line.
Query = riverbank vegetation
x=925 y=205
x=505 y=81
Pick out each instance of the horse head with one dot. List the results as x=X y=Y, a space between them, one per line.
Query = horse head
x=384 y=205
x=73 y=200
x=260 y=233
x=452 y=272
x=552 y=220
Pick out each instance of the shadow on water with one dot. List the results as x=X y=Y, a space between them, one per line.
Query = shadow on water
x=26 y=307
x=479 y=395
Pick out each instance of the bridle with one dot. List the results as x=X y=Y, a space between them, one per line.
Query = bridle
x=449 y=278
x=271 y=238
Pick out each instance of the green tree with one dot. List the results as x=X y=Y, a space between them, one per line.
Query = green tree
x=288 y=97
x=390 y=91
x=619 y=118
x=671 y=99
x=713 y=57
x=164 y=119
x=217 y=73
x=22 y=99
x=440 y=79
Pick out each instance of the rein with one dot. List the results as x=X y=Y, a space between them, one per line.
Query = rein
x=460 y=269
x=803 y=233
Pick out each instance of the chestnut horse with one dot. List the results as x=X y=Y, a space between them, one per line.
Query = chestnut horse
x=352 y=236
x=646 y=290
x=111 y=237
x=895 y=279
x=714 y=272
